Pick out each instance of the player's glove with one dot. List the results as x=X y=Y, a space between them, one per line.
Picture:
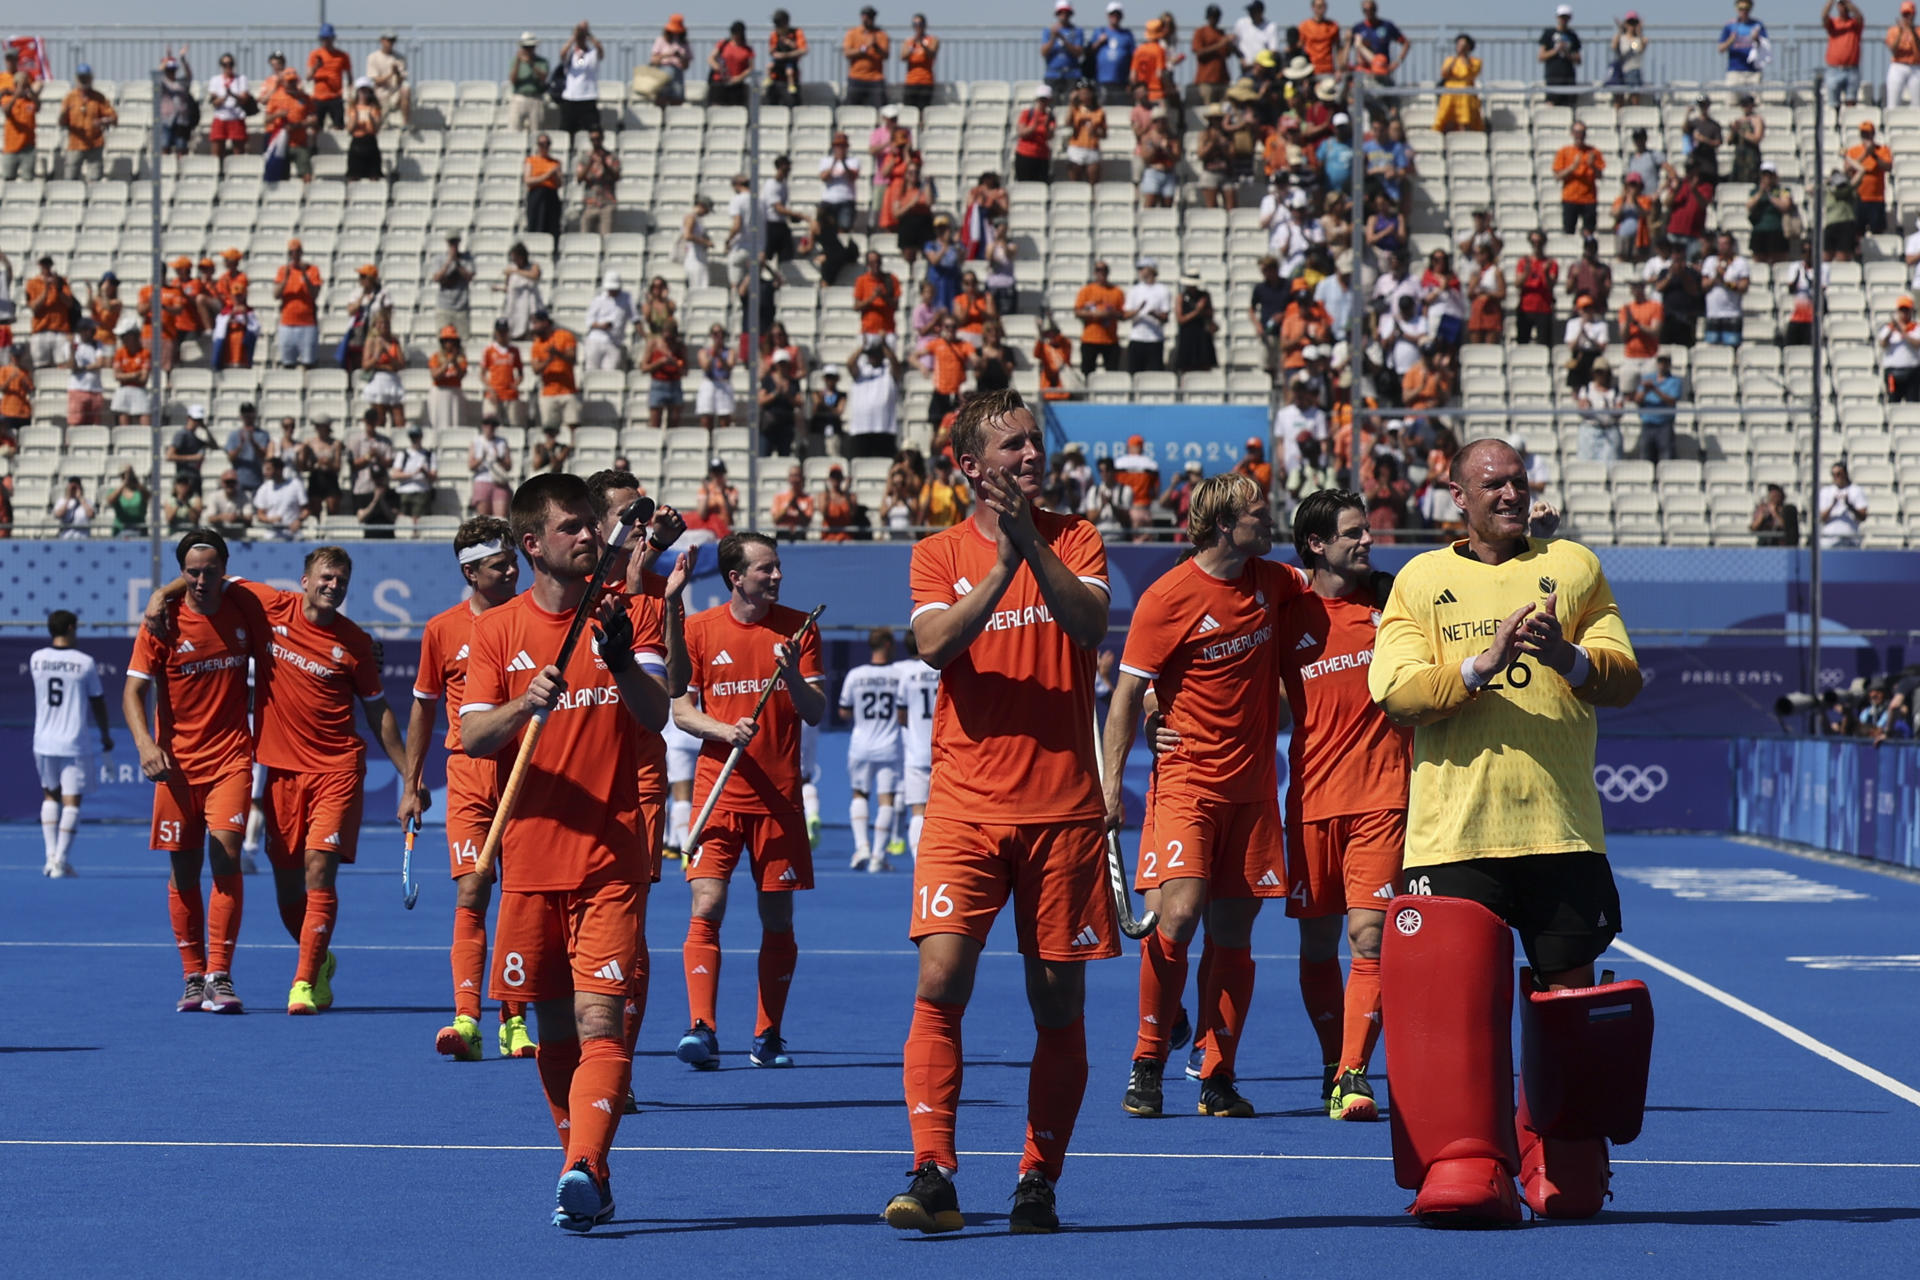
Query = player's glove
x=1381 y=585
x=614 y=635
x=667 y=527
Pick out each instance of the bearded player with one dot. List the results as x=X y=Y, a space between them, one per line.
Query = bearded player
x=202 y=774
x=1009 y=607
x=734 y=651
x=1203 y=637
x=483 y=547
x=574 y=866
x=1497 y=649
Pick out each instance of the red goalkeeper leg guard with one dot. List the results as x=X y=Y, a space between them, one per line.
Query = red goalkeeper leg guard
x=932 y=1077
x=1446 y=978
x=1163 y=979
x=223 y=922
x=469 y=961
x=188 y=912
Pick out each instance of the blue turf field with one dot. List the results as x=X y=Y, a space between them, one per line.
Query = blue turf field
x=142 y=1142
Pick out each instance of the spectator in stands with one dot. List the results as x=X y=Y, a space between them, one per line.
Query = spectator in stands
x=1112 y=48
x=1139 y=474
x=866 y=48
x=227 y=512
x=739 y=220
x=792 y=508
x=729 y=68
x=1486 y=298
x=1086 y=127
x=1844 y=25
x=665 y=362
x=598 y=174
x=1107 y=503
x=580 y=98
x=780 y=397
x=876 y=296
x=826 y=411
x=1746 y=44
x=1193 y=346
x=1152 y=65
x=1687 y=207
x=320 y=459
x=382 y=360
x=490 y=468
x=1726 y=275
x=1052 y=354
x=839 y=176
x=177 y=110
x=1100 y=306
x=873 y=403
x=527 y=78
x=414 y=478
x=543 y=175
x=1590 y=276
x=1578 y=166
x=1681 y=292
x=1334 y=293
x=714 y=401
x=19 y=114
x=1600 y=403
x=183 y=507
x=1632 y=219
x=952 y=359
x=501 y=369
x=86 y=400
x=1063 y=46
x=1266 y=307
x=71 y=510
x=1748 y=130
x=86 y=115
x=786 y=46
x=1402 y=332
x=1320 y=40
x=1211 y=48
x=670 y=57
x=609 y=316
x=1559 y=56
x=391 y=88
x=1159 y=155
x=447 y=367
x=1304 y=325
x=718 y=505
x=1148 y=305
x=382 y=510
x=1776 y=522
x=1585 y=340
x=1638 y=323
x=1033 y=139
x=50 y=300
x=363 y=129
x=1629 y=49
x=838 y=511
x=296 y=286
x=553 y=357
x=329 y=69
x=921 y=53
x=549 y=453
x=1843 y=505
x=1254 y=35
x=1254 y=464
x=288 y=447
x=1840 y=235
x=1650 y=165
x=280 y=503
x=1703 y=137
x=1461 y=71
x=1002 y=285
x=1767 y=211
x=1658 y=392
x=1443 y=301
x=132 y=367
x=972 y=309
x=1386 y=234
x=944 y=500
x=696 y=245
x=1869 y=162
x=1899 y=343
x=1371 y=47
x=247 y=448
x=1301 y=417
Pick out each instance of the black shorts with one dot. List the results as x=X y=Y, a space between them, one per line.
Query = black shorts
x=1565 y=906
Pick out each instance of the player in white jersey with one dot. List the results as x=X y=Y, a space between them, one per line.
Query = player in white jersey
x=915 y=693
x=683 y=756
x=62 y=677
x=869 y=699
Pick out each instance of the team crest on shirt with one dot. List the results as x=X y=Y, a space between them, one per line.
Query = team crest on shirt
x=338 y=653
x=1259 y=597
x=240 y=633
x=1548 y=586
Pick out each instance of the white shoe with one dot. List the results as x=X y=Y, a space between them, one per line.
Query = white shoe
x=878 y=863
x=249 y=866
x=62 y=870
x=859 y=860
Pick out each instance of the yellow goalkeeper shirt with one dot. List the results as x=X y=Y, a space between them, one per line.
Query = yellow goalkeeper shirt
x=1507 y=770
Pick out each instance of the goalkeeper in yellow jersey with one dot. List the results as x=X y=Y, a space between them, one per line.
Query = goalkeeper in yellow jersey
x=1497 y=649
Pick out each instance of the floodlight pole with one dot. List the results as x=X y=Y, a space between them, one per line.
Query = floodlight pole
x=156 y=406
x=1816 y=329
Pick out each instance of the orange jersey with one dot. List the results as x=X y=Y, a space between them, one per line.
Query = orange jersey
x=1208 y=646
x=731 y=663
x=879 y=318
x=21 y=116
x=1013 y=724
x=648 y=612
x=1873 y=162
x=949 y=364
x=577 y=822
x=302 y=285
x=54 y=295
x=16 y=392
x=200 y=678
x=308 y=689
x=1149 y=61
x=328 y=70
x=231 y=287
x=503 y=368
x=543 y=171
x=1319 y=39
x=447 y=371
x=106 y=313
x=444 y=646
x=554 y=357
x=1346 y=756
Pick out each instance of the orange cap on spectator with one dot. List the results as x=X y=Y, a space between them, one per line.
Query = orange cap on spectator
x=206 y=264
x=182 y=262
x=449 y=334
x=293 y=244
x=676 y=24
x=369 y=269
x=231 y=255
x=1904 y=302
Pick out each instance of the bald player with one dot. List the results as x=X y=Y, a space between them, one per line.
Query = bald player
x=1496 y=650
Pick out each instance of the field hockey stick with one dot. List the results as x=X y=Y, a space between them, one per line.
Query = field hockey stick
x=1116 y=862
x=733 y=757
x=637 y=513
x=408 y=888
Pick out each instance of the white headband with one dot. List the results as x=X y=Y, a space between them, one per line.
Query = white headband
x=481 y=550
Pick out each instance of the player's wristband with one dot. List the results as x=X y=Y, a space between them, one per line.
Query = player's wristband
x=1475 y=682
x=1582 y=667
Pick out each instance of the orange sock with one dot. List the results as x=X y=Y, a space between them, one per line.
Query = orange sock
x=637 y=1000
x=1230 y=991
x=512 y=1009
x=1163 y=981
x=701 y=956
x=779 y=953
x=1056 y=1082
x=469 y=962
x=596 y=1101
x=316 y=931
x=293 y=914
x=188 y=911
x=223 y=922
x=933 y=1080
x=1362 y=1026
x=557 y=1060
x=1326 y=1001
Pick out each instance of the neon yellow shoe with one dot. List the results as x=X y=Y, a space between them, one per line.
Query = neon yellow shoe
x=514 y=1040
x=300 y=999
x=1353 y=1098
x=813 y=830
x=323 y=983
x=461 y=1041
x=896 y=847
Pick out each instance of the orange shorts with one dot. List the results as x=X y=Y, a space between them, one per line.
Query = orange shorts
x=1056 y=873
x=653 y=831
x=1236 y=848
x=546 y=946
x=184 y=812
x=473 y=793
x=1344 y=864
x=779 y=852
x=308 y=811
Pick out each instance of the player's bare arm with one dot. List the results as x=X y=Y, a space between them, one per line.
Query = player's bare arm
x=673 y=626
x=483 y=733
x=1079 y=609
x=98 y=705
x=386 y=728
x=420 y=722
x=156 y=762
x=945 y=634
x=729 y=733
x=1123 y=717
x=808 y=698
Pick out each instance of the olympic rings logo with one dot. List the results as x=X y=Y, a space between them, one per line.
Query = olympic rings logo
x=1629 y=782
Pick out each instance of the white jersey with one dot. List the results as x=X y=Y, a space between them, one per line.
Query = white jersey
x=917 y=688
x=869 y=693
x=63 y=681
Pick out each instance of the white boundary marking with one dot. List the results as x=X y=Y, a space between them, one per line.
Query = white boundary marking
x=663 y=950
x=1905 y=1093
x=873 y=1151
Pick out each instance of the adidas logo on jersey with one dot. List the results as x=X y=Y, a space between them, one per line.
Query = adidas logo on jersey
x=1268 y=880
x=238 y=817
x=1446 y=597
x=279 y=631
x=186 y=646
x=462 y=655
x=1307 y=641
x=522 y=661
x=789 y=876
x=1207 y=623
x=723 y=659
x=610 y=971
x=333 y=839
x=1086 y=937
x=961 y=586
x=601 y=1104
x=1384 y=891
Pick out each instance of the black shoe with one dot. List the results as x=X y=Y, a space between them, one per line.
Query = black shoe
x=929 y=1205
x=1218 y=1097
x=1032 y=1213
x=1328 y=1074
x=632 y=1107
x=1143 y=1088
x=1182 y=1032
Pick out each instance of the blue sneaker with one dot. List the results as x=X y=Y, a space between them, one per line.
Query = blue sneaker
x=1196 y=1061
x=699 y=1048
x=582 y=1201
x=769 y=1050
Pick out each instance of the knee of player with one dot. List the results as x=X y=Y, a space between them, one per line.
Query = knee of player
x=473 y=892
x=1363 y=938
x=599 y=1019
x=1179 y=919
x=776 y=912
